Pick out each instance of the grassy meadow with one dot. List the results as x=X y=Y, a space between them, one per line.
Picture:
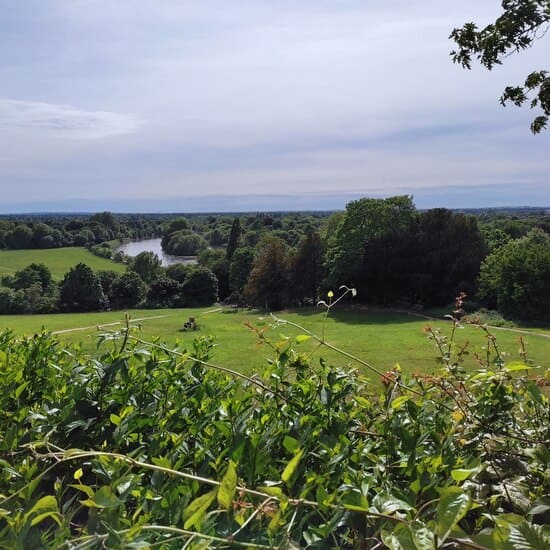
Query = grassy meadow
x=58 y=260
x=380 y=337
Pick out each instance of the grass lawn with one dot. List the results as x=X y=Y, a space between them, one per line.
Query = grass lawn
x=380 y=337
x=58 y=260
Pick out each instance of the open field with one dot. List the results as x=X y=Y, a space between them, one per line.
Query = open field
x=58 y=260
x=380 y=337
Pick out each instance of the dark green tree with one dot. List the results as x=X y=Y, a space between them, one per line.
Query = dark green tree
x=234 y=238
x=200 y=287
x=147 y=265
x=165 y=292
x=306 y=268
x=240 y=268
x=128 y=290
x=364 y=220
x=520 y=24
x=268 y=283
x=81 y=290
x=20 y=237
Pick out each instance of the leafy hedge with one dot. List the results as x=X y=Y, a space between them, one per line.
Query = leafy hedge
x=147 y=446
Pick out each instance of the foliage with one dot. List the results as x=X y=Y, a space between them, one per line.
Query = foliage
x=234 y=237
x=521 y=23
x=267 y=285
x=364 y=220
x=147 y=265
x=200 y=287
x=165 y=292
x=306 y=268
x=516 y=277
x=184 y=243
x=240 y=267
x=81 y=290
x=128 y=290
x=149 y=445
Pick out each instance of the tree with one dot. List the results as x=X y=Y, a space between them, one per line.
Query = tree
x=216 y=261
x=165 y=292
x=200 y=287
x=240 y=268
x=184 y=243
x=517 y=28
x=128 y=290
x=147 y=265
x=365 y=219
x=81 y=290
x=20 y=237
x=516 y=277
x=306 y=269
x=234 y=237
x=267 y=285
x=447 y=252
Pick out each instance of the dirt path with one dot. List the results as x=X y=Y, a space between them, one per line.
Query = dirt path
x=108 y=324
x=508 y=329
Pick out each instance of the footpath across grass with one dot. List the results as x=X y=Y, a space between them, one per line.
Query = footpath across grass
x=382 y=338
x=57 y=260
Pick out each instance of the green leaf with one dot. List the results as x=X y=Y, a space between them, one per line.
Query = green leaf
x=194 y=513
x=422 y=536
x=227 y=488
x=105 y=498
x=290 y=444
x=388 y=504
x=291 y=466
x=115 y=419
x=301 y=338
x=453 y=505
x=399 y=538
x=396 y=403
x=516 y=366
x=43 y=508
x=355 y=501
x=529 y=537
x=460 y=474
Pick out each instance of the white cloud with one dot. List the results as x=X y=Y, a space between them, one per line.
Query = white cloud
x=64 y=120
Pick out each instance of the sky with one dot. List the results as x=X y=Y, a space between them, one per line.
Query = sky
x=189 y=106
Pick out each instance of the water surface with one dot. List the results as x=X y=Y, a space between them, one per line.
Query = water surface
x=133 y=248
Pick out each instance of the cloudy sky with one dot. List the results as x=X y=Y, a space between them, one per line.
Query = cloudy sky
x=158 y=105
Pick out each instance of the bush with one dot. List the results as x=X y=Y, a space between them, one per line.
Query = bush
x=146 y=446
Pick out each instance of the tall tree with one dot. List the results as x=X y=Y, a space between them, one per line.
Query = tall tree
x=234 y=237
x=81 y=290
x=306 y=268
x=520 y=24
x=147 y=265
x=364 y=220
x=267 y=285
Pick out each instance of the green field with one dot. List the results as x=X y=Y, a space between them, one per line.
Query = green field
x=58 y=260
x=380 y=337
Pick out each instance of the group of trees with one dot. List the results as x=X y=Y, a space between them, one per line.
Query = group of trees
x=385 y=248
x=145 y=283
x=63 y=231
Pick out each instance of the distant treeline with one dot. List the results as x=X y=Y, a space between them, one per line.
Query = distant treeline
x=392 y=253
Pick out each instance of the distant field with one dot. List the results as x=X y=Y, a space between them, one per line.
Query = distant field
x=379 y=337
x=58 y=260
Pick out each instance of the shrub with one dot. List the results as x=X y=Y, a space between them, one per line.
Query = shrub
x=147 y=445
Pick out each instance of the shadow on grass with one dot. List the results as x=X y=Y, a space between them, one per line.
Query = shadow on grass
x=357 y=315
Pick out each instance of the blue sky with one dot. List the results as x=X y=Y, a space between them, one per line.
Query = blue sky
x=193 y=106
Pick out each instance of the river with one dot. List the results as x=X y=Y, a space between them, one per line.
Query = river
x=133 y=248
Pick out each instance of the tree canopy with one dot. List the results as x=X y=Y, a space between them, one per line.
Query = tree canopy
x=521 y=23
